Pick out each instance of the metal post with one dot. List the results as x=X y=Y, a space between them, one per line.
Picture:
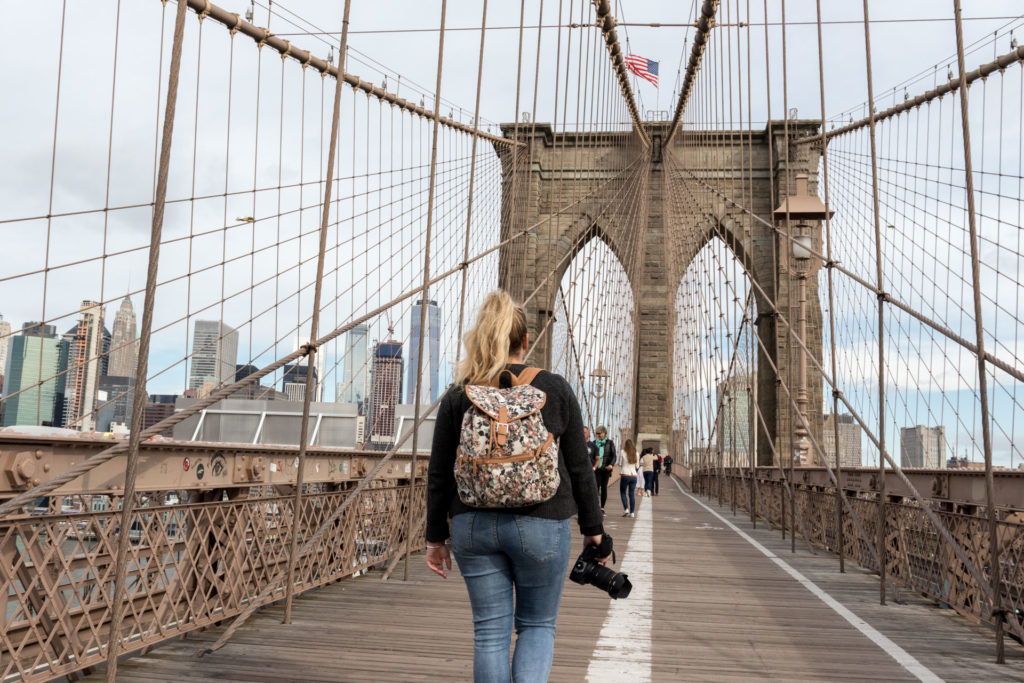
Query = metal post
x=881 y=314
x=995 y=568
x=311 y=350
x=142 y=369
x=426 y=284
x=840 y=542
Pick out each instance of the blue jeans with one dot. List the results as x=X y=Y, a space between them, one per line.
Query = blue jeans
x=499 y=552
x=648 y=481
x=628 y=484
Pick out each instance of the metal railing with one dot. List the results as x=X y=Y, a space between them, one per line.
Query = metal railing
x=916 y=558
x=207 y=556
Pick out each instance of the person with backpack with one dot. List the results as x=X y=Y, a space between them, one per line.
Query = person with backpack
x=668 y=465
x=606 y=459
x=509 y=467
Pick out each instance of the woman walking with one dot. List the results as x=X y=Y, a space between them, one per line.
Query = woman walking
x=513 y=559
x=627 y=479
x=647 y=462
x=657 y=472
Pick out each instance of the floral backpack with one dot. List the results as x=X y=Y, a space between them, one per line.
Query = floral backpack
x=506 y=456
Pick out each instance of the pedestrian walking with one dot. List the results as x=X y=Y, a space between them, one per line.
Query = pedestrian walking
x=513 y=557
x=591 y=447
x=647 y=463
x=605 y=462
x=657 y=472
x=628 y=478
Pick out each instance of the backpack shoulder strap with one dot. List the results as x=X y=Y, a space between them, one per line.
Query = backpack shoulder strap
x=526 y=376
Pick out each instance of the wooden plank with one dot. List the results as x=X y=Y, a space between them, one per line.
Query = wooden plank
x=722 y=612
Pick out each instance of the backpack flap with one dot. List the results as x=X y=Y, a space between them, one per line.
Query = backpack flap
x=517 y=402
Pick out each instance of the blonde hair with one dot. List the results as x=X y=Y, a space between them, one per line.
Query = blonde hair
x=630 y=449
x=500 y=331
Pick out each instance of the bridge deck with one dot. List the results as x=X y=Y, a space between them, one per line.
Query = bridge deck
x=718 y=608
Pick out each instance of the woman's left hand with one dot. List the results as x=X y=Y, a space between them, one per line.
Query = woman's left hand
x=596 y=541
x=439 y=559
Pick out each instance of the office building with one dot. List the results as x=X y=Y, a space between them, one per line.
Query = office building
x=254 y=390
x=124 y=343
x=734 y=420
x=429 y=373
x=849 y=440
x=88 y=344
x=30 y=383
x=923 y=447
x=34 y=358
x=214 y=354
x=385 y=392
x=355 y=377
x=293 y=382
x=158 y=407
x=114 y=402
x=319 y=370
x=5 y=341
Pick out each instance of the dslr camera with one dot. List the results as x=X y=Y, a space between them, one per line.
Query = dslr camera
x=588 y=570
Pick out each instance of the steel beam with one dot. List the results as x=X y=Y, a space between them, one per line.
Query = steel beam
x=166 y=465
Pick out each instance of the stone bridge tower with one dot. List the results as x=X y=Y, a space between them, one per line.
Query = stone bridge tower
x=548 y=187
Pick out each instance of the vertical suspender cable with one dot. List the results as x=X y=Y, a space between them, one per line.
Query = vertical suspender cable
x=142 y=368
x=472 y=180
x=840 y=542
x=426 y=284
x=993 y=526
x=881 y=313
x=774 y=292
x=790 y=427
x=311 y=349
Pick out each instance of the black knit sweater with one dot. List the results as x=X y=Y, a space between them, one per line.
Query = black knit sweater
x=577 y=490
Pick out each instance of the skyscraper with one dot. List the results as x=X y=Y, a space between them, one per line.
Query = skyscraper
x=432 y=348
x=734 y=419
x=386 y=381
x=114 y=400
x=318 y=371
x=849 y=440
x=86 y=364
x=923 y=447
x=214 y=353
x=355 y=377
x=293 y=382
x=32 y=357
x=5 y=341
x=124 y=344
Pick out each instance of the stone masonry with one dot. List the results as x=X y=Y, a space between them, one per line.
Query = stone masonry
x=569 y=188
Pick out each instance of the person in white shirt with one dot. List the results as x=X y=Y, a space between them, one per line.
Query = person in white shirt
x=628 y=478
x=647 y=463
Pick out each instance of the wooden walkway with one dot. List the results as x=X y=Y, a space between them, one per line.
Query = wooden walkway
x=720 y=609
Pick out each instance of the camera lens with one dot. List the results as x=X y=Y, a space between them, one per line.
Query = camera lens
x=620 y=587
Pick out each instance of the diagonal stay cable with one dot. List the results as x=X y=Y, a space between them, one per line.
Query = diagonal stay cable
x=936 y=522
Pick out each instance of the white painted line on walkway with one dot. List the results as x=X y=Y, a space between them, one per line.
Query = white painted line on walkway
x=902 y=657
x=623 y=651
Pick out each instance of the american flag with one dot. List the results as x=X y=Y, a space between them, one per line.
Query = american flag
x=646 y=69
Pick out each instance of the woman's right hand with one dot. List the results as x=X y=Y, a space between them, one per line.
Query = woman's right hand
x=439 y=559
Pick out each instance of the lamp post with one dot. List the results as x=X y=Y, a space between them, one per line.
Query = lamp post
x=803 y=213
x=802 y=244
x=598 y=389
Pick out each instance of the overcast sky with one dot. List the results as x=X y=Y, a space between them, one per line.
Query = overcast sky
x=907 y=56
